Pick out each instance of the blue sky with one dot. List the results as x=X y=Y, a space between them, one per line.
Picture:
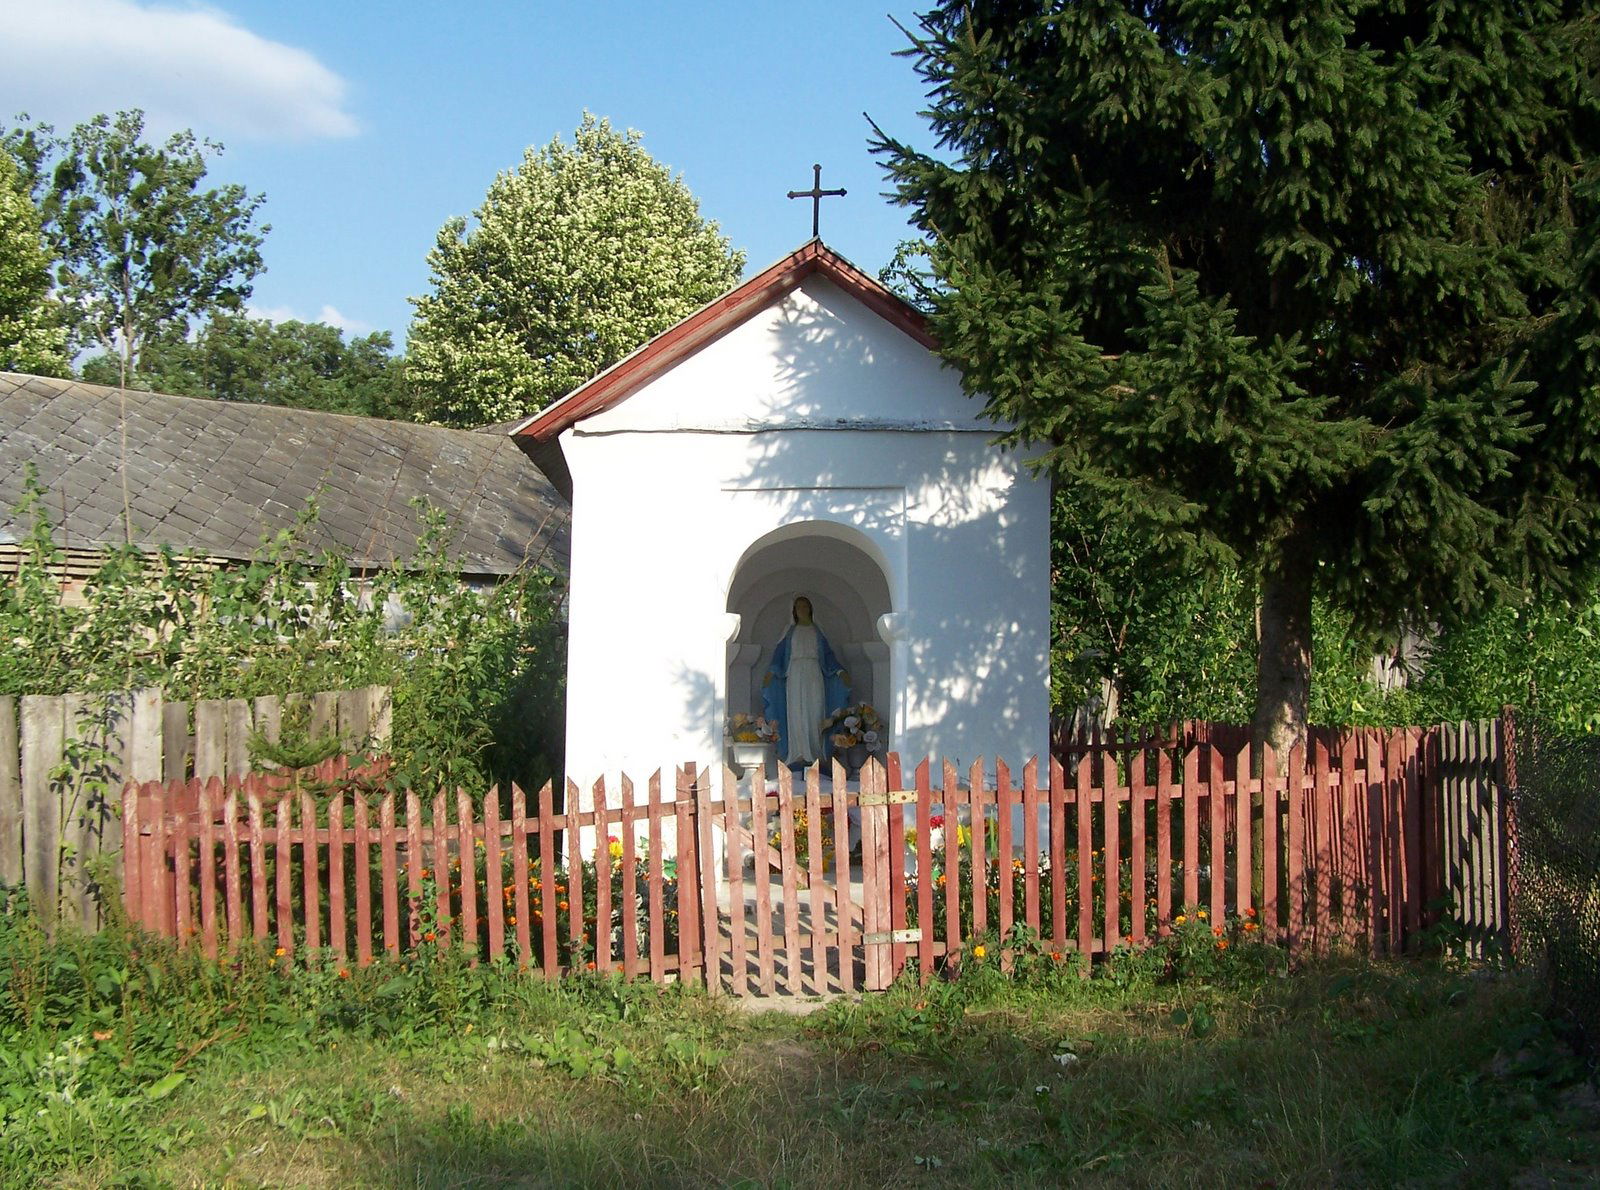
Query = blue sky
x=366 y=125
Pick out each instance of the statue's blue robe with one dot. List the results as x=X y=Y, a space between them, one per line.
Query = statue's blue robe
x=775 y=693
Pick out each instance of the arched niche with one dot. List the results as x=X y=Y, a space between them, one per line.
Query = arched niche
x=840 y=570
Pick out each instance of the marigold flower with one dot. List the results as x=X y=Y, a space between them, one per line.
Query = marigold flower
x=280 y=952
x=1222 y=944
x=512 y=920
x=562 y=905
x=1179 y=920
x=1250 y=911
x=1201 y=915
x=1217 y=930
x=344 y=973
x=1249 y=926
x=428 y=937
x=424 y=873
x=1056 y=955
x=979 y=951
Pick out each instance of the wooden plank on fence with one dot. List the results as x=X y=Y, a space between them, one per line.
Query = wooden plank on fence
x=816 y=878
x=952 y=862
x=210 y=738
x=786 y=863
x=1217 y=843
x=355 y=716
x=11 y=869
x=380 y=716
x=416 y=860
x=176 y=747
x=42 y=733
x=898 y=916
x=574 y=872
x=283 y=862
x=254 y=799
x=655 y=892
x=733 y=839
x=602 y=877
x=924 y=872
x=389 y=876
x=495 y=877
x=706 y=869
x=978 y=823
x=1084 y=810
x=760 y=847
x=468 y=851
x=1111 y=851
x=839 y=798
x=210 y=794
x=1295 y=872
x=1320 y=820
x=1031 y=913
x=1005 y=810
x=362 y=841
x=1163 y=841
x=337 y=903
x=691 y=967
x=1138 y=800
x=440 y=824
x=1191 y=828
x=240 y=725
x=1244 y=852
x=630 y=882
x=324 y=720
x=1394 y=836
x=519 y=874
x=132 y=908
x=1412 y=827
x=1271 y=808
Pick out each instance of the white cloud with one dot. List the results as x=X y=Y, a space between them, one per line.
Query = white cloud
x=186 y=66
x=350 y=326
x=328 y=314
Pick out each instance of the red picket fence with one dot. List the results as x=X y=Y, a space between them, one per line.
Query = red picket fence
x=1343 y=842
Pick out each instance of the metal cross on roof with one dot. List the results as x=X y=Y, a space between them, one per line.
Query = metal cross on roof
x=816 y=194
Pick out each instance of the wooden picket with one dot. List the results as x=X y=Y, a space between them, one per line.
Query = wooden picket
x=1341 y=842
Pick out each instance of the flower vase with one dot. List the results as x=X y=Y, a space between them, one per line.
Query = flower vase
x=854 y=757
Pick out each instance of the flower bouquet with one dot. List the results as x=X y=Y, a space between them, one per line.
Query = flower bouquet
x=745 y=728
x=853 y=726
x=855 y=733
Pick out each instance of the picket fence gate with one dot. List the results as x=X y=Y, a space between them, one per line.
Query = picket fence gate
x=820 y=884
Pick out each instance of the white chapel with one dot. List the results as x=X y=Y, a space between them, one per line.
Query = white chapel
x=797 y=436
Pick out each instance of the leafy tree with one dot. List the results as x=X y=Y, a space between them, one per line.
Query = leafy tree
x=308 y=365
x=1312 y=289
x=32 y=337
x=577 y=257
x=140 y=249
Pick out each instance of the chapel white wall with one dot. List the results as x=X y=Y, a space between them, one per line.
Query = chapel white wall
x=674 y=485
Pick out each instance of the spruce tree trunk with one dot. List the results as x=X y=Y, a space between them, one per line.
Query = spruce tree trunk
x=1283 y=656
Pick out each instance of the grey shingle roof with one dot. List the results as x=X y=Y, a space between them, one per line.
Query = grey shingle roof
x=214 y=476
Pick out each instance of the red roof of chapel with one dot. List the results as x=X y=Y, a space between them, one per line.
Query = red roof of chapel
x=710 y=323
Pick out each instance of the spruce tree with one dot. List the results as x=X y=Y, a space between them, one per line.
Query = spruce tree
x=1307 y=287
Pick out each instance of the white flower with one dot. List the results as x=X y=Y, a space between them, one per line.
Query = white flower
x=870 y=739
x=1066 y=1059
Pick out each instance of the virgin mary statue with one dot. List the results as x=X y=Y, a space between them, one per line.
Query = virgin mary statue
x=803 y=687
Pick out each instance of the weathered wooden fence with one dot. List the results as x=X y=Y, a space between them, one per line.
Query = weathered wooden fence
x=65 y=758
x=1347 y=841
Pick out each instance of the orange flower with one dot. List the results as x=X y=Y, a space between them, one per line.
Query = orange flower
x=280 y=952
x=428 y=937
x=1222 y=944
x=1201 y=915
x=424 y=873
x=1250 y=926
x=512 y=920
x=1217 y=930
x=1250 y=911
x=344 y=973
x=1056 y=955
x=562 y=905
x=590 y=965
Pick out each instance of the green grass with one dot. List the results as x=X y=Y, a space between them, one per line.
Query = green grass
x=1345 y=1072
